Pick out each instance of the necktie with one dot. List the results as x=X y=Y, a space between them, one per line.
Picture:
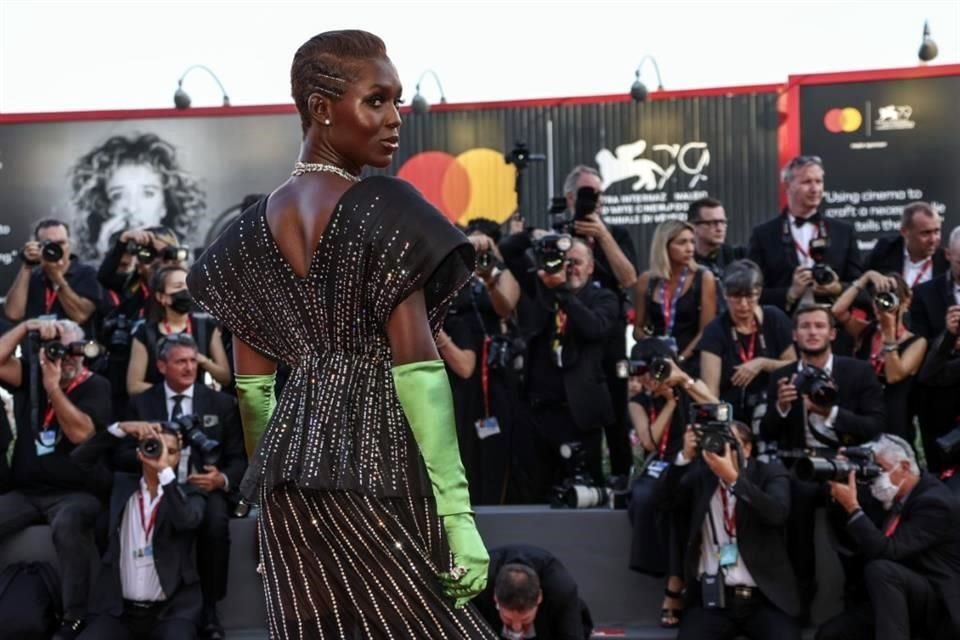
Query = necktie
x=799 y=222
x=177 y=406
x=894 y=521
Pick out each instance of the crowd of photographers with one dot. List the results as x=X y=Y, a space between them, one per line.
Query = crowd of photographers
x=765 y=384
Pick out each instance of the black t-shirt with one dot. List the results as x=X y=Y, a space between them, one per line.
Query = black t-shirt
x=55 y=471
x=81 y=278
x=718 y=339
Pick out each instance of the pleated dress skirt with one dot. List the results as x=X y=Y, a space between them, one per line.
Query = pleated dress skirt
x=340 y=565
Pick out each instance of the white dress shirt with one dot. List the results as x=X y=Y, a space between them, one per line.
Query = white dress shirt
x=956 y=293
x=802 y=235
x=736 y=575
x=914 y=270
x=824 y=426
x=138 y=572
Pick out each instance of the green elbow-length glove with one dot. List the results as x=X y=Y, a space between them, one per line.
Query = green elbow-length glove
x=424 y=393
x=257 y=402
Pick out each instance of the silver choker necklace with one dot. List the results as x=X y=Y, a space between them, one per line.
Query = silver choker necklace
x=300 y=168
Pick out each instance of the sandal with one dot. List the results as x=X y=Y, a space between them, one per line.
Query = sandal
x=670 y=617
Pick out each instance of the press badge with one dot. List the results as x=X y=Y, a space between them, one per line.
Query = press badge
x=487 y=427
x=728 y=555
x=47 y=442
x=143 y=557
x=657 y=467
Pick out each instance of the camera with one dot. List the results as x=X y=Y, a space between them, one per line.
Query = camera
x=711 y=423
x=949 y=443
x=578 y=490
x=817 y=384
x=586 y=203
x=503 y=352
x=562 y=219
x=550 y=252
x=204 y=450
x=887 y=301
x=55 y=350
x=520 y=156
x=818 y=253
x=486 y=261
x=118 y=330
x=51 y=251
x=146 y=252
x=658 y=367
x=857 y=459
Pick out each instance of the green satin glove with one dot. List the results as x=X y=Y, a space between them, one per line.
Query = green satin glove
x=424 y=393
x=257 y=401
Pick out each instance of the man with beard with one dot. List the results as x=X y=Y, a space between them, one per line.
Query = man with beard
x=912 y=573
x=807 y=415
x=916 y=253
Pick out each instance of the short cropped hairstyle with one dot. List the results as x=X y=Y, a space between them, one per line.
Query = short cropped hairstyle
x=796 y=164
x=806 y=309
x=327 y=63
x=570 y=182
x=742 y=277
x=170 y=342
x=693 y=211
x=46 y=223
x=896 y=449
x=912 y=210
x=517 y=587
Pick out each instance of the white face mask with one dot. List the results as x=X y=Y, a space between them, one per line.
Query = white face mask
x=884 y=490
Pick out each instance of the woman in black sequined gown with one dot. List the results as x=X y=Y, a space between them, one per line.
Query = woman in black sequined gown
x=341 y=280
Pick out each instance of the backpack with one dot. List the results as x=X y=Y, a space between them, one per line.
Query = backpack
x=30 y=601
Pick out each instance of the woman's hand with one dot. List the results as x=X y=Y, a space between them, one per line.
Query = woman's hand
x=745 y=373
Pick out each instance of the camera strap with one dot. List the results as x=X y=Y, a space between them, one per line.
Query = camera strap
x=49 y=298
x=76 y=382
x=747 y=354
x=147 y=524
x=791 y=243
x=485 y=375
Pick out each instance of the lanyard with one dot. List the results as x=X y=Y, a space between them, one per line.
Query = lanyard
x=923 y=272
x=664 y=437
x=76 y=382
x=788 y=234
x=729 y=515
x=49 y=297
x=147 y=526
x=485 y=376
x=168 y=331
x=877 y=357
x=670 y=302
x=145 y=292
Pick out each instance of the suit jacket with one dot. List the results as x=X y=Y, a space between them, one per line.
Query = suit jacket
x=887 y=257
x=927 y=541
x=559 y=616
x=763 y=505
x=777 y=257
x=151 y=405
x=179 y=515
x=591 y=313
x=928 y=310
x=860 y=417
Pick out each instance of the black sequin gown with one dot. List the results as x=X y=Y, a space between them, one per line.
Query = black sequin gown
x=350 y=541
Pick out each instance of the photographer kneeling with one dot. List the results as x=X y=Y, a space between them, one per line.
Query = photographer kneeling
x=823 y=402
x=148 y=585
x=738 y=574
x=912 y=573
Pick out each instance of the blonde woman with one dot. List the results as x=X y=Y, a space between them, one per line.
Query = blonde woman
x=675 y=298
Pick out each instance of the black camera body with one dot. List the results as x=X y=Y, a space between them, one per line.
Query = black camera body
x=503 y=352
x=204 y=450
x=51 y=251
x=117 y=331
x=550 y=252
x=818 y=253
x=817 y=384
x=711 y=423
x=857 y=459
x=56 y=350
x=887 y=301
x=658 y=367
x=949 y=443
x=146 y=252
x=486 y=261
x=562 y=219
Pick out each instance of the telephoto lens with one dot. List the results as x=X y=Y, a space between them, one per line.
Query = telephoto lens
x=51 y=251
x=151 y=448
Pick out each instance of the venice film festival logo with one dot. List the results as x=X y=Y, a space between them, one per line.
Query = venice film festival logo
x=479 y=184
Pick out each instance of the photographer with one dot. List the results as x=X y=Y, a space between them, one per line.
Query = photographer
x=915 y=253
x=180 y=397
x=568 y=395
x=739 y=579
x=660 y=395
x=804 y=256
x=175 y=315
x=822 y=403
x=940 y=375
x=51 y=282
x=500 y=286
x=913 y=571
x=530 y=594
x=891 y=349
x=58 y=404
x=745 y=343
x=710 y=222
x=148 y=585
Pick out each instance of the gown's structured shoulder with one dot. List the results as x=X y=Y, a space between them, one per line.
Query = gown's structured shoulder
x=338 y=424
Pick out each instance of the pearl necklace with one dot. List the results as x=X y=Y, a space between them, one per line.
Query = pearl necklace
x=300 y=168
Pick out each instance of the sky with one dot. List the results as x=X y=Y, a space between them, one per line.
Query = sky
x=77 y=55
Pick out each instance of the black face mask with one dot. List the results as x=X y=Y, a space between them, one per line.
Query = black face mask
x=181 y=302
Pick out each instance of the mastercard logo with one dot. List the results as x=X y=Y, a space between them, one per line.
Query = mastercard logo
x=478 y=183
x=846 y=120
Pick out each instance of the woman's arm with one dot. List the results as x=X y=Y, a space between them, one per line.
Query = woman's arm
x=640 y=304
x=711 y=366
x=708 y=310
x=463 y=362
x=217 y=364
x=408 y=331
x=897 y=367
x=841 y=309
x=504 y=291
x=137 y=368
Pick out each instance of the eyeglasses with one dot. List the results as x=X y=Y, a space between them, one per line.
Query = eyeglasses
x=711 y=223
